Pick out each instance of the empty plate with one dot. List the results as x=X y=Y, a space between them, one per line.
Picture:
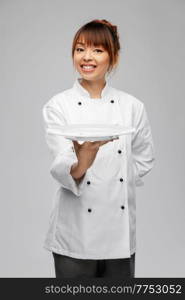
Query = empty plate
x=91 y=132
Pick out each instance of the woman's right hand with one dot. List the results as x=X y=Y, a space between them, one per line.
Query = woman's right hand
x=86 y=152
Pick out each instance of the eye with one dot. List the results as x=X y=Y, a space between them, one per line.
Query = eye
x=98 y=50
x=79 y=49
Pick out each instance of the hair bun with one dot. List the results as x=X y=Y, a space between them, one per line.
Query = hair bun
x=112 y=27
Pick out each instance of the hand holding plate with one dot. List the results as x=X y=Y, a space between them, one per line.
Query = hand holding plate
x=86 y=152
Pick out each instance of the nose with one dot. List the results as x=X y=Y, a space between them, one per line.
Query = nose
x=87 y=55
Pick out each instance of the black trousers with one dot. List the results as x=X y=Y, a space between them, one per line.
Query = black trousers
x=69 y=267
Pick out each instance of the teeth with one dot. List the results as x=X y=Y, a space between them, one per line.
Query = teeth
x=88 y=67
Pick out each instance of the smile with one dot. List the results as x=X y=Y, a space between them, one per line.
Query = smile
x=88 y=68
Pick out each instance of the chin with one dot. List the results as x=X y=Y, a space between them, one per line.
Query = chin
x=88 y=77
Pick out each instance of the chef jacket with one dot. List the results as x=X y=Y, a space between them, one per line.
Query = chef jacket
x=96 y=218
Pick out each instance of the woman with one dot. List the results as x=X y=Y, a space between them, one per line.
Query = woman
x=92 y=226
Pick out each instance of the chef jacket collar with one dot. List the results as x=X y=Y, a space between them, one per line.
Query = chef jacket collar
x=83 y=92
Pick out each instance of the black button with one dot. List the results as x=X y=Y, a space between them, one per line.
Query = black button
x=88 y=182
x=121 y=179
x=89 y=209
x=122 y=207
x=112 y=101
x=119 y=151
x=79 y=103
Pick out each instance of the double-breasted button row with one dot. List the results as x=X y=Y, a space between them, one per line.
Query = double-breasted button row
x=80 y=103
x=90 y=210
x=88 y=182
x=121 y=179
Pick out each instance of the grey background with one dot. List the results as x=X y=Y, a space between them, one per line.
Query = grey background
x=36 y=38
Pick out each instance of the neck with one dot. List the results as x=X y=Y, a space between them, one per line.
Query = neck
x=93 y=87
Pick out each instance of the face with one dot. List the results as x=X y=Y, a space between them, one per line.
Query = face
x=91 y=62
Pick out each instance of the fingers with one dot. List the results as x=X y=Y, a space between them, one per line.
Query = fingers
x=100 y=143
x=95 y=143
x=76 y=145
x=105 y=142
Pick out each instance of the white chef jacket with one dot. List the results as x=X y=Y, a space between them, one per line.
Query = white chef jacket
x=96 y=219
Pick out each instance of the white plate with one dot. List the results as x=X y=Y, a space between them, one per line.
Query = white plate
x=91 y=132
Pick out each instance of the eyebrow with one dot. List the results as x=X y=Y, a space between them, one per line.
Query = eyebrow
x=80 y=43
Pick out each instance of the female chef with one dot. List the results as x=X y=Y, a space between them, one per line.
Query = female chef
x=92 y=230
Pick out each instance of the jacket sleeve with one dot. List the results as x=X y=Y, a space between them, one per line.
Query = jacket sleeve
x=61 y=150
x=142 y=147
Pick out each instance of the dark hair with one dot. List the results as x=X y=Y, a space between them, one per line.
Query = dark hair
x=100 y=32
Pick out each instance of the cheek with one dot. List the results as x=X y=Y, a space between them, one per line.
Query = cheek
x=104 y=61
x=104 y=64
x=76 y=64
x=75 y=59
